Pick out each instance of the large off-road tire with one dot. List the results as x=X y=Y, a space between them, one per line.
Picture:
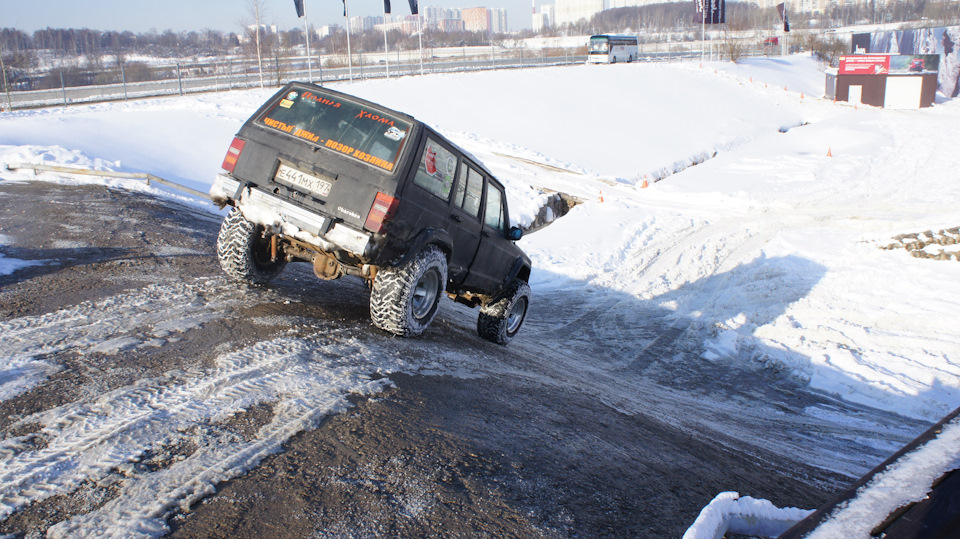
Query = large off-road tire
x=244 y=252
x=405 y=298
x=499 y=321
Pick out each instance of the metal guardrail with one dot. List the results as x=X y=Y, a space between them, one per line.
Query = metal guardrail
x=224 y=77
x=109 y=174
x=230 y=76
x=934 y=515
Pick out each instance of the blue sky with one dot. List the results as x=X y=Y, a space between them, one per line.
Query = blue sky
x=140 y=16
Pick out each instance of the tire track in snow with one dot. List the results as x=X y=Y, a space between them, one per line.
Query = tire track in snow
x=304 y=379
x=136 y=319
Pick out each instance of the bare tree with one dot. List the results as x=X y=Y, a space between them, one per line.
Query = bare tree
x=255 y=9
x=3 y=69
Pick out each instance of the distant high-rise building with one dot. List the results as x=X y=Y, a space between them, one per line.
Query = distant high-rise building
x=361 y=24
x=545 y=18
x=486 y=20
x=498 y=20
x=325 y=31
x=476 y=19
x=451 y=25
x=435 y=17
x=265 y=29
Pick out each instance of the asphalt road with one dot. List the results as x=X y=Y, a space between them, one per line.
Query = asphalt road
x=599 y=419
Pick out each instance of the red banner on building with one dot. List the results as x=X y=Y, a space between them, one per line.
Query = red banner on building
x=865 y=64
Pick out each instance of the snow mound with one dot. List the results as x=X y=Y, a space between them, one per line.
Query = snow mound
x=729 y=513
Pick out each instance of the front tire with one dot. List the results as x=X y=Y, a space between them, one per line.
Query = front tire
x=405 y=298
x=500 y=321
x=243 y=248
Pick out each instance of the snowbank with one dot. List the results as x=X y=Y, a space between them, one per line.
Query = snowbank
x=729 y=513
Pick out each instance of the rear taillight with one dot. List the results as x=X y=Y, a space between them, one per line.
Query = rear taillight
x=384 y=206
x=233 y=154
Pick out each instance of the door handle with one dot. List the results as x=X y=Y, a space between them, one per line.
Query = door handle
x=457 y=218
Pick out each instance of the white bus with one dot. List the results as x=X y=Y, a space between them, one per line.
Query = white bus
x=611 y=48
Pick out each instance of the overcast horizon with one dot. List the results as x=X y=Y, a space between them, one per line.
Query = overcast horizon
x=223 y=15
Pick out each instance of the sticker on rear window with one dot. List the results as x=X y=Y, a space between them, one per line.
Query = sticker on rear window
x=394 y=134
x=286 y=103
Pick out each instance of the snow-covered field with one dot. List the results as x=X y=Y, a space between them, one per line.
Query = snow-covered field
x=764 y=225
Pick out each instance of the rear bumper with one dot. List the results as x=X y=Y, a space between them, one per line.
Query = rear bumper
x=291 y=220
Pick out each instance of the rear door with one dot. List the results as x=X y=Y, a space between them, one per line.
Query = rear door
x=448 y=192
x=496 y=254
x=465 y=227
x=428 y=193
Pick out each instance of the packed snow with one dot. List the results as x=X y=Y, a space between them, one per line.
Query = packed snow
x=729 y=512
x=783 y=230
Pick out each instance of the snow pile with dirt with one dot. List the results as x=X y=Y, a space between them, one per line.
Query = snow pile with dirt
x=766 y=236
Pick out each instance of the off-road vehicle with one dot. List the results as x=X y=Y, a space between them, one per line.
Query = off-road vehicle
x=354 y=188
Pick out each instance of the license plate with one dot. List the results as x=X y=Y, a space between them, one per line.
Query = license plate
x=308 y=182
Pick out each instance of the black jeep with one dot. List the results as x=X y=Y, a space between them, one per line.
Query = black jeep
x=320 y=176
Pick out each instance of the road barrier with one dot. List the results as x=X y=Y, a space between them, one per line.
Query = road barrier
x=109 y=174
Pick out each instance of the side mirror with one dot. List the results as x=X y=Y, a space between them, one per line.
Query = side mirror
x=514 y=234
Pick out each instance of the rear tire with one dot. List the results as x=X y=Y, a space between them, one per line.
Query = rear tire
x=405 y=298
x=244 y=250
x=500 y=321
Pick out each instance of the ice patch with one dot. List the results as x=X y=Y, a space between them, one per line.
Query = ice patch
x=10 y=265
x=113 y=346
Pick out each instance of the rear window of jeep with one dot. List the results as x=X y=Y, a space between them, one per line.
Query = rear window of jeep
x=341 y=126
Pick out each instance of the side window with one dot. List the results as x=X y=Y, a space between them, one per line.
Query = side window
x=469 y=191
x=436 y=170
x=493 y=216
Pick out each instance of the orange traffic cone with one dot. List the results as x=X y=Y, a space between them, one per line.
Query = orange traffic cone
x=601 y=196
x=644 y=185
x=829 y=153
